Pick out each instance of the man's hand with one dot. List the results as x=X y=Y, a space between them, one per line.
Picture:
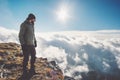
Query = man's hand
x=23 y=46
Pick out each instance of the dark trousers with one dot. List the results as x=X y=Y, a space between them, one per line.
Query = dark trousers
x=28 y=50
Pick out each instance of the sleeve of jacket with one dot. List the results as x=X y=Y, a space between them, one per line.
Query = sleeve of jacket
x=22 y=33
x=35 y=41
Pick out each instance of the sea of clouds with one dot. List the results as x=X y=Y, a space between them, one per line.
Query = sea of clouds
x=76 y=51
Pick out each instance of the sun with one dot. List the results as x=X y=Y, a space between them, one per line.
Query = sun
x=62 y=13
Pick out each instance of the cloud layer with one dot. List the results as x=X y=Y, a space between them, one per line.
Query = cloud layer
x=76 y=51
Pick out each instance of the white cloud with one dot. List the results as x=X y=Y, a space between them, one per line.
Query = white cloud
x=76 y=51
x=8 y=35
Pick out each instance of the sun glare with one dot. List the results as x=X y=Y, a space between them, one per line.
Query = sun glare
x=63 y=13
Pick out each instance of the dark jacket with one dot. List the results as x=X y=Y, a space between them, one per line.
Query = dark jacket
x=26 y=34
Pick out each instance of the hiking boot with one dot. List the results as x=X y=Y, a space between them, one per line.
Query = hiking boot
x=25 y=72
x=32 y=71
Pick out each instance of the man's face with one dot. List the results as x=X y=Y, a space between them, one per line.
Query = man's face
x=33 y=20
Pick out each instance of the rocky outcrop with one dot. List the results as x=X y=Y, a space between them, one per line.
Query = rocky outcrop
x=11 y=65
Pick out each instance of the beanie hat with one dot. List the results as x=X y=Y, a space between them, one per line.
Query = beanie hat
x=31 y=16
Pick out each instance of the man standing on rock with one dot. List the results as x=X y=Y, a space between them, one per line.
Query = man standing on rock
x=28 y=43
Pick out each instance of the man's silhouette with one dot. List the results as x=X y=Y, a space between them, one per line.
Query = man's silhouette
x=28 y=43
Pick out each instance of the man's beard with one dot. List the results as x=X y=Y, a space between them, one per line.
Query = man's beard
x=32 y=22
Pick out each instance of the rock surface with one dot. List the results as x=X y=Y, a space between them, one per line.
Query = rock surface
x=11 y=65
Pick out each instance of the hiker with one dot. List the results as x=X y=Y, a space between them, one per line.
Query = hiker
x=28 y=43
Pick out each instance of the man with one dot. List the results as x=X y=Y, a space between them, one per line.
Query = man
x=28 y=43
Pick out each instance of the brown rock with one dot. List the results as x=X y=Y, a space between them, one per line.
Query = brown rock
x=11 y=65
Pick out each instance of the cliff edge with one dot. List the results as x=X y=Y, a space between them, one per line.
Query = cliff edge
x=11 y=65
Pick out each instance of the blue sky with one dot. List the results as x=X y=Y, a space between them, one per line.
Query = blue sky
x=75 y=14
